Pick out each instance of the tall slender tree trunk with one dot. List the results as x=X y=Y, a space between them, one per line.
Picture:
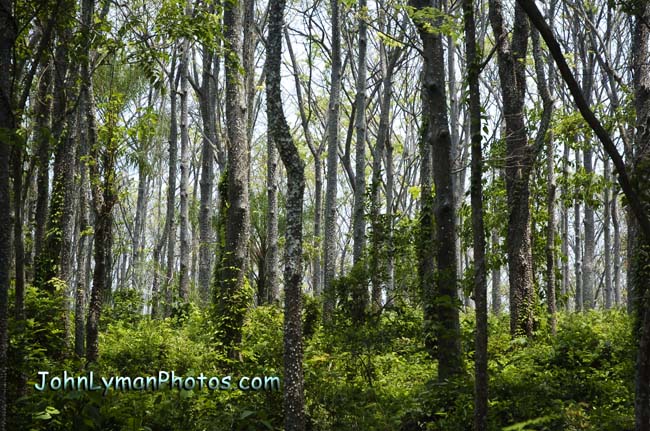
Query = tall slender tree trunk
x=329 y=245
x=294 y=398
x=234 y=294
x=207 y=106
x=577 y=251
x=7 y=124
x=317 y=153
x=360 y=290
x=19 y=245
x=496 y=276
x=137 y=242
x=81 y=287
x=588 y=60
x=443 y=288
x=640 y=266
x=272 y=256
x=565 y=228
x=511 y=54
x=478 y=226
x=43 y=123
x=380 y=226
x=358 y=220
x=104 y=198
x=184 y=268
x=544 y=91
x=616 y=251
x=607 y=236
x=170 y=225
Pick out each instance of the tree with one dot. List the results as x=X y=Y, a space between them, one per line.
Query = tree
x=294 y=398
x=7 y=130
x=233 y=290
x=511 y=55
x=440 y=290
x=184 y=276
x=360 y=292
x=329 y=245
x=478 y=228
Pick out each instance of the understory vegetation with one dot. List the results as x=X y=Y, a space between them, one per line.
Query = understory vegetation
x=374 y=376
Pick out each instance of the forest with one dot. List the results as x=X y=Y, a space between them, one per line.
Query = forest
x=325 y=215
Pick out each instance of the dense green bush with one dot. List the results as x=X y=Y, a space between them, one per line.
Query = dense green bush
x=372 y=376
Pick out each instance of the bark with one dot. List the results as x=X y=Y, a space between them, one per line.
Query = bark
x=577 y=250
x=607 y=236
x=18 y=219
x=442 y=297
x=43 y=123
x=206 y=96
x=294 y=398
x=640 y=267
x=85 y=134
x=588 y=61
x=8 y=125
x=616 y=251
x=381 y=226
x=358 y=221
x=234 y=295
x=81 y=286
x=360 y=297
x=547 y=101
x=329 y=245
x=184 y=267
x=170 y=222
x=511 y=54
x=248 y=64
x=496 y=276
x=55 y=260
x=271 y=258
x=317 y=153
x=104 y=196
x=137 y=240
x=565 y=227
x=478 y=226
x=390 y=249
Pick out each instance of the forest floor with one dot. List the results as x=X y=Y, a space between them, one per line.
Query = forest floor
x=376 y=376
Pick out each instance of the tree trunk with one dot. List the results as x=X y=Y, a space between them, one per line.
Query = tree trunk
x=272 y=260
x=550 y=174
x=170 y=222
x=478 y=227
x=184 y=267
x=43 y=123
x=104 y=197
x=19 y=245
x=640 y=266
x=294 y=398
x=442 y=288
x=207 y=107
x=381 y=227
x=496 y=276
x=317 y=153
x=577 y=250
x=331 y=234
x=7 y=123
x=234 y=293
x=607 y=236
x=511 y=55
x=617 y=251
x=565 y=228
x=360 y=290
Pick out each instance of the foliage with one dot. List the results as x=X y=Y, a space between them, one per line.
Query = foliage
x=371 y=376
